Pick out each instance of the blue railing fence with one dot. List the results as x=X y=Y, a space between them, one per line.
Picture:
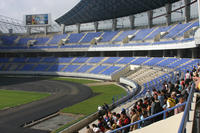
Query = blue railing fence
x=185 y=117
x=150 y=117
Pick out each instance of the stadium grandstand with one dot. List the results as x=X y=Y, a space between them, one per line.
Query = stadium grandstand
x=150 y=47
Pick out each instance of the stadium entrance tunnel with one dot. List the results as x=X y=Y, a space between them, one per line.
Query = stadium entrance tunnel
x=62 y=94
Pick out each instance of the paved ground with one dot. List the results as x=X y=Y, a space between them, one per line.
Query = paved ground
x=64 y=94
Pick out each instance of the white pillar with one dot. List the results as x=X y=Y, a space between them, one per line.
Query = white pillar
x=199 y=10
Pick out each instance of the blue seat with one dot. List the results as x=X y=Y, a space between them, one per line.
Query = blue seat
x=71 y=68
x=84 y=68
x=111 y=70
x=98 y=69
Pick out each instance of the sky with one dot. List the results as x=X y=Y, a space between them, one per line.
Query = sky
x=17 y=8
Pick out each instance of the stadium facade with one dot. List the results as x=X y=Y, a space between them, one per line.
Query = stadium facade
x=104 y=39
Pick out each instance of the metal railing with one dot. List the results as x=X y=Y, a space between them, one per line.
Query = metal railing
x=150 y=117
x=184 y=118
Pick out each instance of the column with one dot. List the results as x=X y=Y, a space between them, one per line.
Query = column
x=179 y=53
x=78 y=27
x=132 y=21
x=45 y=30
x=150 y=18
x=199 y=10
x=114 y=24
x=28 y=32
x=101 y=54
x=149 y=53
x=194 y=53
x=187 y=10
x=168 y=13
x=63 y=28
x=96 y=25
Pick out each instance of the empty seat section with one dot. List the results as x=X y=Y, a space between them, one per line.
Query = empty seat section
x=19 y=60
x=71 y=68
x=142 y=34
x=139 y=61
x=178 y=63
x=41 y=67
x=166 y=62
x=84 y=68
x=56 y=38
x=80 y=60
x=8 y=40
x=98 y=69
x=75 y=37
x=111 y=70
x=16 y=67
x=2 y=67
x=4 y=60
x=108 y=36
x=153 y=61
x=24 y=41
x=49 y=60
x=90 y=36
x=56 y=68
x=156 y=32
x=194 y=24
x=41 y=40
x=33 y=60
x=95 y=59
x=65 y=60
x=125 y=60
x=123 y=35
x=176 y=30
x=27 y=67
x=111 y=60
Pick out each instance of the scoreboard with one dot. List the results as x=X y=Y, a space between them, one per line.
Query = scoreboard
x=37 y=20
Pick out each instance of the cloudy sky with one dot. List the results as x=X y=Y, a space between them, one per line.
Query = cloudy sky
x=18 y=8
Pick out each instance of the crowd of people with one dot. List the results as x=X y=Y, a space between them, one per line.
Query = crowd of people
x=154 y=101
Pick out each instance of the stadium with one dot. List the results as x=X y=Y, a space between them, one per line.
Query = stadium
x=113 y=66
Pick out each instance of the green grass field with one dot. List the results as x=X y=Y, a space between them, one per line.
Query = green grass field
x=104 y=93
x=81 y=81
x=12 y=98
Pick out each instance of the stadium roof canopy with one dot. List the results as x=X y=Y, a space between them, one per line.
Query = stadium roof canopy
x=97 y=10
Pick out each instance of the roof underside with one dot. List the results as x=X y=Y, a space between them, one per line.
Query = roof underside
x=97 y=10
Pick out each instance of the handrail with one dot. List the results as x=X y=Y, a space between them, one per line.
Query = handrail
x=186 y=111
x=150 y=117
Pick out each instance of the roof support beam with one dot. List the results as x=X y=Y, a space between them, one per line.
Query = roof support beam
x=114 y=24
x=187 y=10
x=150 y=18
x=63 y=28
x=78 y=26
x=96 y=26
x=132 y=21
x=168 y=13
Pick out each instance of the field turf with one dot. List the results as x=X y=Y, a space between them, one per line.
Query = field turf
x=12 y=98
x=104 y=94
x=80 y=81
